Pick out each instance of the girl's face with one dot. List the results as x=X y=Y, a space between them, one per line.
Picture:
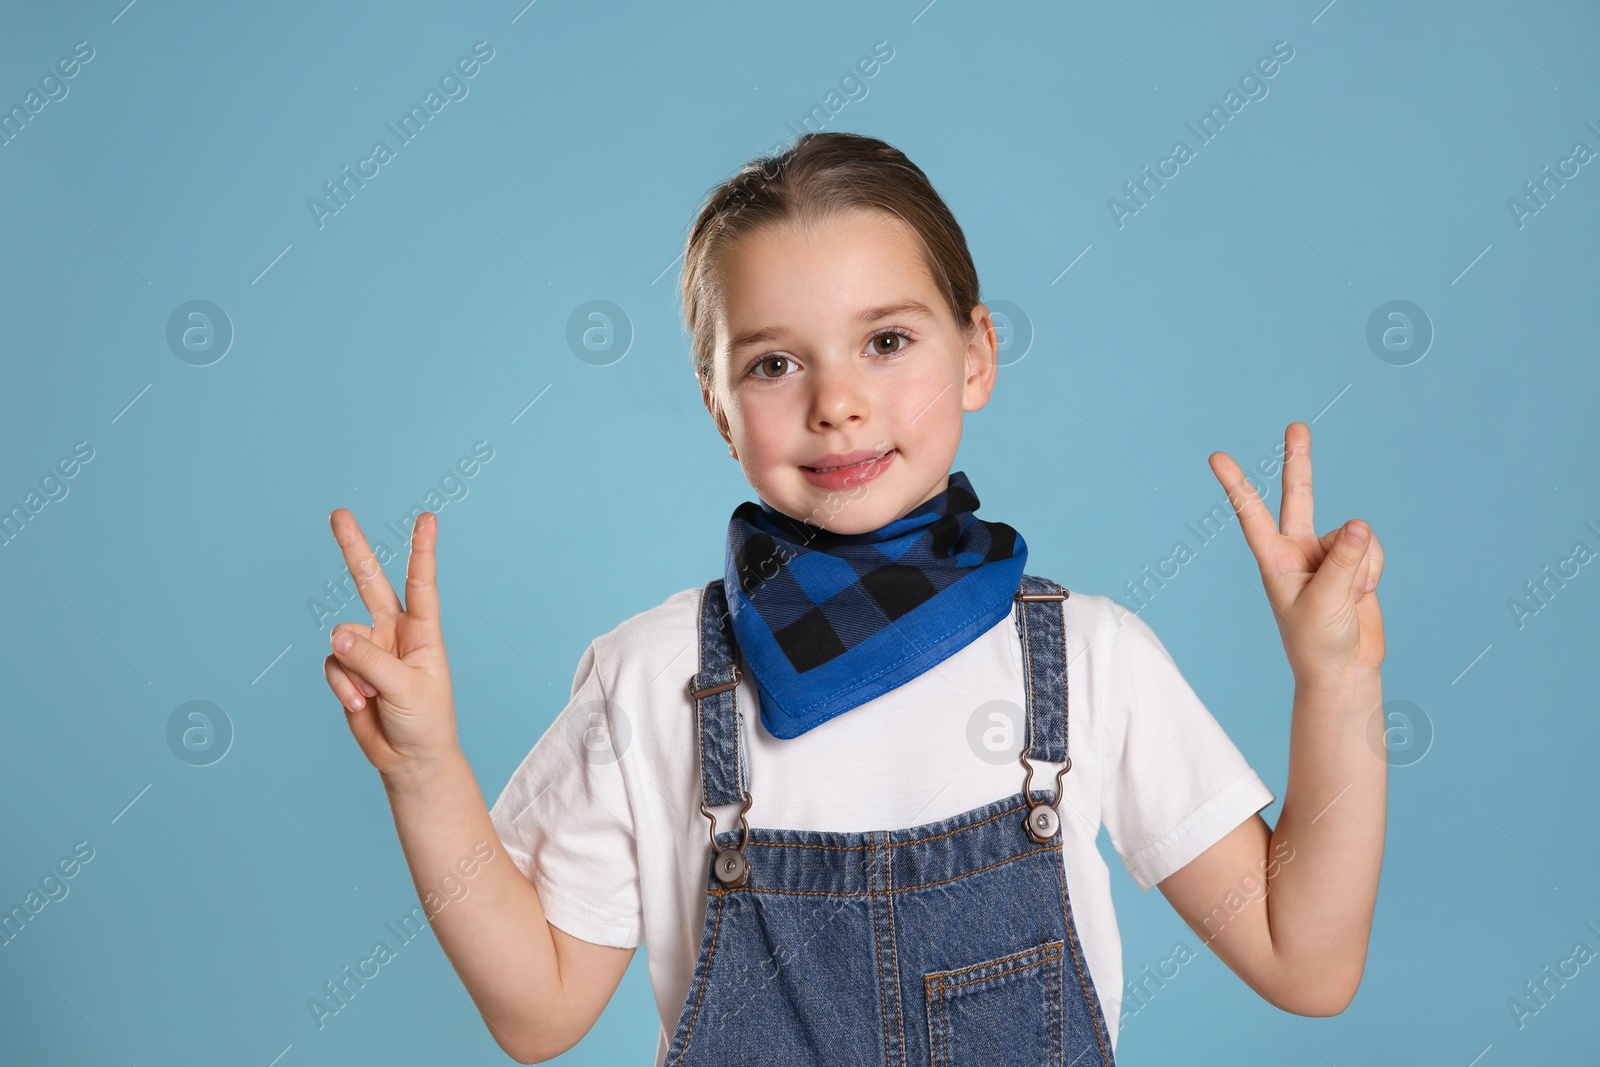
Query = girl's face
x=836 y=346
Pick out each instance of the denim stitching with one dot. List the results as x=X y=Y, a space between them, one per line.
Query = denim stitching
x=1094 y=1014
x=894 y=951
x=1046 y=958
x=1050 y=949
x=699 y=705
x=1058 y=1031
x=894 y=844
x=944 y=1025
x=898 y=889
x=1027 y=674
x=877 y=945
x=705 y=980
x=1066 y=714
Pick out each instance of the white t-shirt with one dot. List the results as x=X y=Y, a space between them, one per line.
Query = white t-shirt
x=603 y=814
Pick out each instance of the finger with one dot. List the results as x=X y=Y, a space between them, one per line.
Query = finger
x=1254 y=518
x=376 y=592
x=356 y=678
x=362 y=630
x=1374 y=561
x=380 y=667
x=1294 y=514
x=343 y=688
x=363 y=719
x=422 y=588
x=1335 y=579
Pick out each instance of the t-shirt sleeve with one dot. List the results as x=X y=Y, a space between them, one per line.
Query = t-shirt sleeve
x=1176 y=782
x=566 y=822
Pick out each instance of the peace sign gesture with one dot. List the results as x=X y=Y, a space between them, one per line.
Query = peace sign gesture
x=1321 y=588
x=399 y=660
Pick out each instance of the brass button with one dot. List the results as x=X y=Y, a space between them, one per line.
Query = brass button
x=730 y=867
x=1042 y=822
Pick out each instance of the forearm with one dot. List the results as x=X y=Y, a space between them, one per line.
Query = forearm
x=1320 y=900
x=494 y=933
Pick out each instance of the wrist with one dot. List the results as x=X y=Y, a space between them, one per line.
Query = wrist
x=1351 y=682
x=416 y=775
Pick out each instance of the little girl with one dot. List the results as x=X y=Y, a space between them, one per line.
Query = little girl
x=832 y=788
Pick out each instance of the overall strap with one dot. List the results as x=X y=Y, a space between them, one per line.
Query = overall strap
x=1041 y=622
x=724 y=774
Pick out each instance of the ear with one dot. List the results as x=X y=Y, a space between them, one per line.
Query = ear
x=709 y=399
x=982 y=361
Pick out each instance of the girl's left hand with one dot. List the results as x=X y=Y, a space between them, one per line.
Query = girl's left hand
x=1322 y=589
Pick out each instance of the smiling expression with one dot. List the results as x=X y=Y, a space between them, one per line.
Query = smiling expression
x=836 y=346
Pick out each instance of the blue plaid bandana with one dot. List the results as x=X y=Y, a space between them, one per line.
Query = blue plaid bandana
x=829 y=621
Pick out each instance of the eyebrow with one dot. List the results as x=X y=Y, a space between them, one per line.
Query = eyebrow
x=772 y=332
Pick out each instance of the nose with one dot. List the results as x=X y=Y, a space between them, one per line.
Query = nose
x=839 y=395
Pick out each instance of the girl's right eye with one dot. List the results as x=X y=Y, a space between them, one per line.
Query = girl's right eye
x=769 y=359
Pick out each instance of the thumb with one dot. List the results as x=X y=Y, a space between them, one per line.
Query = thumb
x=1336 y=577
x=381 y=668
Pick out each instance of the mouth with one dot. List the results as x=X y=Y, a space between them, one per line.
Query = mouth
x=835 y=461
x=862 y=466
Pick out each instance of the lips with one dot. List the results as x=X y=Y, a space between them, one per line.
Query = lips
x=843 y=470
x=835 y=460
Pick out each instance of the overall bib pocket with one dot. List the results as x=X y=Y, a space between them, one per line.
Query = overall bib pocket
x=983 y=1013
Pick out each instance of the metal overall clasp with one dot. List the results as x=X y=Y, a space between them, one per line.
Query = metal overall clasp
x=1043 y=820
x=728 y=864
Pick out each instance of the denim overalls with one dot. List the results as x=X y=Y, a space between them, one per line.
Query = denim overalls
x=950 y=943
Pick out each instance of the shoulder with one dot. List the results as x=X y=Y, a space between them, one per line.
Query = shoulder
x=1094 y=616
x=1114 y=659
x=1098 y=627
x=1104 y=628
x=658 y=646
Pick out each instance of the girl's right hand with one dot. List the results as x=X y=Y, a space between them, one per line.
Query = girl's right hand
x=394 y=680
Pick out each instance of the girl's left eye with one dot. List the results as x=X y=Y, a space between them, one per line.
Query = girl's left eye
x=904 y=335
x=872 y=346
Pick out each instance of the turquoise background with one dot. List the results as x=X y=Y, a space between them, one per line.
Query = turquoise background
x=372 y=352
